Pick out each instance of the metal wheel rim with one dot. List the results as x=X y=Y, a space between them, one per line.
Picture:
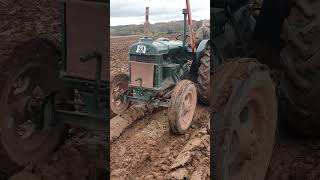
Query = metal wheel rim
x=246 y=149
x=187 y=108
x=117 y=94
x=18 y=117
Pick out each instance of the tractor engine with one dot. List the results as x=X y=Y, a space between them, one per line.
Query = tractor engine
x=155 y=66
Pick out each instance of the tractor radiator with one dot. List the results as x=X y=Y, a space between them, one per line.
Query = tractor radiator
x=86 y=32
x=141 y=74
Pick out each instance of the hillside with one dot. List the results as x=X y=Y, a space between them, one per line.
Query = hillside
x=157 y=28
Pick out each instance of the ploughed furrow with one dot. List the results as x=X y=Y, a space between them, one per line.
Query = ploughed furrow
x=83 y=156
x=148 y=149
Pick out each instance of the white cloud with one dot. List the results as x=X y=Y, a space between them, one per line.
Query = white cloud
x=125 y=12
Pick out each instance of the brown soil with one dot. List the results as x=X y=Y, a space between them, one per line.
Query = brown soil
x=23 y=21
x=119 y=53
x=148 y=149
x=83 y=156
x=294 y=158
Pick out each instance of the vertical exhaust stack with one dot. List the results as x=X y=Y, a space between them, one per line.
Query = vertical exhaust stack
x=185 y=14
x=193 y=46
x=147 y=24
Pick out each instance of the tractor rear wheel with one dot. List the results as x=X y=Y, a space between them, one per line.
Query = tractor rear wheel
x=244 y=110
x=300 y=83
x=32 y=74
x=183 y=105
x=119 y=86
x=204 y=78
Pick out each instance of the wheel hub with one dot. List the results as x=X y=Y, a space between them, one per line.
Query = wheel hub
x=25 y=106
x=187 y=109
x=245 y=140
x=117 y=94
x=21 y=85
x=187 y=105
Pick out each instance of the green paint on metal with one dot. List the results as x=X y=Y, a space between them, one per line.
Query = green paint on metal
x=184 y=12
x=170 y=66
x=172 y=61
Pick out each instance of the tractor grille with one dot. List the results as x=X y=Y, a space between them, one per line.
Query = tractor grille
x=143 y=59
x=141 y=74
x=85 y=34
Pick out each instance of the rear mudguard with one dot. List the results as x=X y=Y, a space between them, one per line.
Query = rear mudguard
x=196 y=63
x=202 y=47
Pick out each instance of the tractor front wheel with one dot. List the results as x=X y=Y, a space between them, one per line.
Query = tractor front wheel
x=119 y=86
x=32 y=74
x=183 y=105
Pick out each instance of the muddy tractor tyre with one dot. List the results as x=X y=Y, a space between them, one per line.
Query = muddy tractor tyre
x=204 y=78
x=244 y=112
x=119 y=86
x=182 y=106
x=300 y=85
x=34 y=68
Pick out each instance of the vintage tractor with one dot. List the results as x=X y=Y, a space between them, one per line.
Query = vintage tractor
x=164 y=73
x=265 y=61
x=49 y=88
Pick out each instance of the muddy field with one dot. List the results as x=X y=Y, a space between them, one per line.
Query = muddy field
x=146 y=149
x=294 y=157
x=83 y=156
x=119 y=53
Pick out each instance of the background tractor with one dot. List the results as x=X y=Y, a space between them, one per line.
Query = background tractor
x=165 y=73
x=48 y=87
x=265 y=66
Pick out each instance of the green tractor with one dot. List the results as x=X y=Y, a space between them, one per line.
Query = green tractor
x=165 y=73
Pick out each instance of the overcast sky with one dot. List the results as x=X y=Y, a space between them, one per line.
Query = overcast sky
x=124 y=12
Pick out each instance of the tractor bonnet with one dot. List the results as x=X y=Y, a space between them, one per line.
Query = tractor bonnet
x=147 y=46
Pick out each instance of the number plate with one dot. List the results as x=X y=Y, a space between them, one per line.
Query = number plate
x=141 y=49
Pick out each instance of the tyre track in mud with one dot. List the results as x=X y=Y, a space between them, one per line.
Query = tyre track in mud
x=148 y=149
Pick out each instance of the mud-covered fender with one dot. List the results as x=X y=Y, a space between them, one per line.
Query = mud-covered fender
x=196 y=63
x=202 y=47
